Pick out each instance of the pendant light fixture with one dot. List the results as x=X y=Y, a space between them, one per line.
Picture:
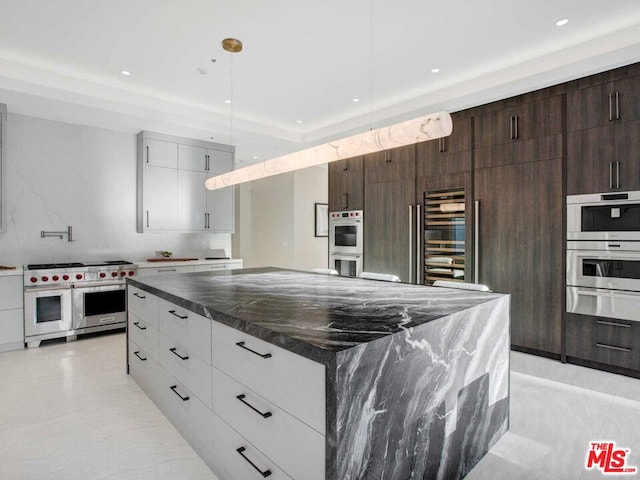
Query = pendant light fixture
x=428 y=127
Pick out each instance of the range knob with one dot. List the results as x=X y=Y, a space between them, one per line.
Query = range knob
x=65 y=277
x=45 y=279
x=122 y=274
x=55 y=278
x=114 y=274
x=78 y=276
x=33 y=279
x=132 y=273
x=102 y=274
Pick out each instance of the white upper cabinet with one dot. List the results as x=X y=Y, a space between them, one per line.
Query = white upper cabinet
x=193 y=158
x=159 y=153
x=3 y=117
x=172 y=196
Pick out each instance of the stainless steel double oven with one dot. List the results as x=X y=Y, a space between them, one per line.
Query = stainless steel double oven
x=603 y=255
x=346 y=234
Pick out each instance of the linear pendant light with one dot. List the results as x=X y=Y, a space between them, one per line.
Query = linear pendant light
x=430 y=127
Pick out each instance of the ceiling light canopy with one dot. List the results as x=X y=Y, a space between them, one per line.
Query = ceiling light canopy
x=126 y=73
x=562 y=23
x=436 y=125
x=232 y=45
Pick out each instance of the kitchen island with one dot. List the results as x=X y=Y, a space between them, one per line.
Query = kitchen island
x=289 y=374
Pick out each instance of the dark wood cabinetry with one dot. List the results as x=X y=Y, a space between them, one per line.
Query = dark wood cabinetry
x=603 y=340
x=451 y=154
x=388 y=193
x=520 y=225
x=346 y=187
x=603 y=124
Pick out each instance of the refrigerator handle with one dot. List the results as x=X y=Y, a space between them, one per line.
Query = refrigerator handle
x=476 y=242
x=419 y=248
x=411 y=264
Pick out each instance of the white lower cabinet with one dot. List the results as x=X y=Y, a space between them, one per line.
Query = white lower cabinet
x=237 y=459
x=190 y=370
x=168 y=270
x=11 y=313
x=295 y=447
x=248 y=408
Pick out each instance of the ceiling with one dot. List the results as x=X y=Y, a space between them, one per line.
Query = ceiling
x=302 y=65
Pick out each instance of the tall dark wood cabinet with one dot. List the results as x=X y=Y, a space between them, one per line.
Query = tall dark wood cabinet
x=346 y=187
x=518 y=187
x=388 y=193
x=603 y=137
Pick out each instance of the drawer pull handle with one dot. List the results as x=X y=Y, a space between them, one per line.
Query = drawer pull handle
x=264 y=474
x=136 y=354
x=137 y=324
x=136 y=294
x=611 y=347
x=242 y=399
x=173 y=350
x=173 y=389
x=263 y=355
x=173 y=312
x=613 y=324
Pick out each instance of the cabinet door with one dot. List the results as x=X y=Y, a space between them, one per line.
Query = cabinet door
x=446 y=155
x=346 y=190
x=161 y=154
x=628 y=107
x=590 y=107
x=192 y=200
x=520 y=234
x=160 y=198
x=220 y=210
x=590 y=157
x=390 y=165
x=628 y=155
x=220 y=161
x=192 y=158
x=386 y=228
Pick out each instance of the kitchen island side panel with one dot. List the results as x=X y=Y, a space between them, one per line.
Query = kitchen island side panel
x=427 y=402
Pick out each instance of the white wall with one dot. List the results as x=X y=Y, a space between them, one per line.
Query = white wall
x=275 y=220
x=60 y=174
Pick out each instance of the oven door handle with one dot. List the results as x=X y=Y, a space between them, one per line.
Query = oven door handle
x=46 y=289
x=99 y=284
x=608 y=294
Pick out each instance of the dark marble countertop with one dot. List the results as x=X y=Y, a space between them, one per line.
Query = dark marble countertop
x=311 y=314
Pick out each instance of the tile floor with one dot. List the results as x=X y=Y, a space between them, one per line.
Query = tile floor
x=68 y=411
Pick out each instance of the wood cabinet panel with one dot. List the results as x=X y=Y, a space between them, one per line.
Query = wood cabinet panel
x=458 y=141
x=390 y=165
x=627 y=152
x=346 y=188
x=521 y=247
x=604 y=340
x=386 y=227
x=544 y=148
x=589 y=155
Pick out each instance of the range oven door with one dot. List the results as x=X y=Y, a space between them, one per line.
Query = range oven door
x=346 y=235
x=346 y=265
x=604 y=303
x=607 y=269
x=46 y=311
x=95 y=305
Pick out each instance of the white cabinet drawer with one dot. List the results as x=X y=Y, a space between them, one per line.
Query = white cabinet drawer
x=11 y=326
x=295 y=447
x=188 y=414
x=144 y=335
x=293 y=383
x=143 y=305
x=187 y=368
x=11 y=292
x=236 y=459
x=212 y=268
x=189 y=329
x=168 y=270
x=143 y=369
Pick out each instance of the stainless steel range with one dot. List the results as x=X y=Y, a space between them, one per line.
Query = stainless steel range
x=67 y=299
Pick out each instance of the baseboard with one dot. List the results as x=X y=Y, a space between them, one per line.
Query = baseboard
x=533 y=351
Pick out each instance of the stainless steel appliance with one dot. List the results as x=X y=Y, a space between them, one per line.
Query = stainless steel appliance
x=603 y=255
x=604 y=216
x=67 y=299
x=346 y=249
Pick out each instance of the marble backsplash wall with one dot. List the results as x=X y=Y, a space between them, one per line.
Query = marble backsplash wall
x=59 y=174
x=437 y=415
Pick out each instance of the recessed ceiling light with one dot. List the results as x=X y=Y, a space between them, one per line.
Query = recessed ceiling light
x=562 y=23
x=202 y=71
x=298 y=121
x=435 y=70
x=126 y=73
x=227 y=101
x=356 y=99
x=255 y=157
